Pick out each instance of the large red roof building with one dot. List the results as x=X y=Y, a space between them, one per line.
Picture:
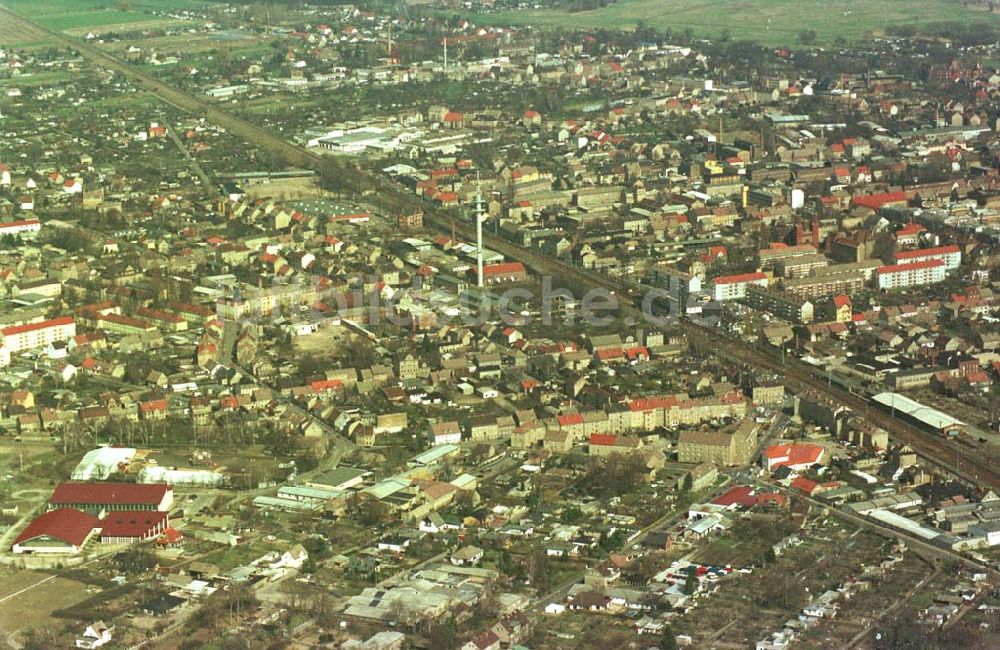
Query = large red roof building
x=112 y=496
x=64 y=530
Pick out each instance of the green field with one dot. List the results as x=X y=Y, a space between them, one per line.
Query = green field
x=773 y=22
x=82 y=14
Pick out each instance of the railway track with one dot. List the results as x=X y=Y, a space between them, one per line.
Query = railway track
x=970 y=468
x=390 y=197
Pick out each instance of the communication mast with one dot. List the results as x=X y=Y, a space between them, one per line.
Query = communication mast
x=479 y=234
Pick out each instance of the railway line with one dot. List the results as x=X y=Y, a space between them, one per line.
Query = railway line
x=384 y=194
x=940 y=451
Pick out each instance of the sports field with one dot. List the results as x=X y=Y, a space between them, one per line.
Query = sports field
x=773 y=22
x=80 y=14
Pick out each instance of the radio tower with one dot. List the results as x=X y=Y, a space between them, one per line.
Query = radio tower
x=479 y=235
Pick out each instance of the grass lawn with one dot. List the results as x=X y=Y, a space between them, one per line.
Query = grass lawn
x=70 y=14
x=774 y=22
x=35 y=607
x=39 y=79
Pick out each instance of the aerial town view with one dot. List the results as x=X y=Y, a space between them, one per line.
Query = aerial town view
x=500 y=324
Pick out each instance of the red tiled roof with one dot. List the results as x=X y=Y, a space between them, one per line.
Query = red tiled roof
x=924 y=252
x=797 y=454
x=65 y=524
x=18 y=222
x=326 y=384
x=650 y=403
x=910 y=266
x=603 y=439
x=842 y=300
x=153 y=405
x=745 y=496
x=14 y=330
x=741 y=277
x=910 y=229
x=739 y=495
x=504 y=268
x=610 y=353
x=771 y=497
x=640 y=351
x=107 y=493
x=803 y=484
x=570 y=419
x=876 y=201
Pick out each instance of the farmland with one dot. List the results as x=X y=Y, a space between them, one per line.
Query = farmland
x=773 y=22
x=84 y=14
x=19 y=35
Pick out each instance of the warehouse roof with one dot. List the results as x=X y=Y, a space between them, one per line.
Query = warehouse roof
x=924 y=414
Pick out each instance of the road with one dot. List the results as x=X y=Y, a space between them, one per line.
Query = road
x=206 y=182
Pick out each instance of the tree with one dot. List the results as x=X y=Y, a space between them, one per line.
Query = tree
x=781 y=589
x=807 y=36
x=691 y=581
x=668 y=641
x=316 y=547
x=443 y=634
x=571 y=515
x=885 y=246
x=613 y=541
x=358 y=352
x=538 y=569
x=135 y=560
x=534 y=499
x=38 y=639
x=504 y=563
x=373 y=513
